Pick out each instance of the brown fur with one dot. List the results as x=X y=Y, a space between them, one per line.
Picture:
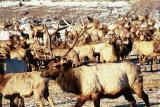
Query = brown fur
x=112 y=80
x=3 y=81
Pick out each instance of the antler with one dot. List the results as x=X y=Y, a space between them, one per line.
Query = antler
x=81 y=20
x=77 y=36
x=56 y=30
x=69 y=24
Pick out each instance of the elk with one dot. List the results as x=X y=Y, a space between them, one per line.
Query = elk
x=146 y=49
x=97 y=49
x=121 y=29
x=108 y=54
x=125 y=49
x=93 y=82
x=36 y=29
x=121 y=49
x=85 y=52
x=22 y=54
x=97 y=31
x=21 y=85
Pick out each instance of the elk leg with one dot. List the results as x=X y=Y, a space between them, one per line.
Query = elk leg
x=13 y=101
x=138 y=89
x=98 y=58
x=38 y=97
x=19 y=101
x=154 y=65
x=48 y=98
x=129 y=58
x=145 y=98
x=1 y=99
x=155 y=62
x=141 y=59
x=143 y=62
x=96 y=100
x=12 y=104
x=129 y=97
x=81 y=101
x=50 y=101
x=124 y=58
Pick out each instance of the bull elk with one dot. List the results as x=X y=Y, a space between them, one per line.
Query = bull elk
x=93 y=82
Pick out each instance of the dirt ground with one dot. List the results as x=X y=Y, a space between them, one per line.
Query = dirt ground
x=56 y=13
x=62 y=99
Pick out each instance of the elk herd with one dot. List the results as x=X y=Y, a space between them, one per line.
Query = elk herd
x=90 y=59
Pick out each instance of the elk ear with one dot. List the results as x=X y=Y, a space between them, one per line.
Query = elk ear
x=90 y=19
x=56 y=58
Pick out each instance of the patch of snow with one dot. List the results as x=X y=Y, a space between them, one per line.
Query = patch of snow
x=118 y=4
x=157 y=25
x=8 y=3
x=66 y=4
x=4 y=35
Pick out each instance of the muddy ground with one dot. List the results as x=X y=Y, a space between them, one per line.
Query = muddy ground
x=62 y=99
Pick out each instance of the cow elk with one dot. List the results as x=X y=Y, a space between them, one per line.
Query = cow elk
x=147 y=49
x=21 y=85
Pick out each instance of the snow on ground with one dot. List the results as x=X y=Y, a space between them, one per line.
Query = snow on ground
x=65 y=4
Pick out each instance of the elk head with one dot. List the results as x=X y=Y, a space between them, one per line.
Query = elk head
x=56 y=66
